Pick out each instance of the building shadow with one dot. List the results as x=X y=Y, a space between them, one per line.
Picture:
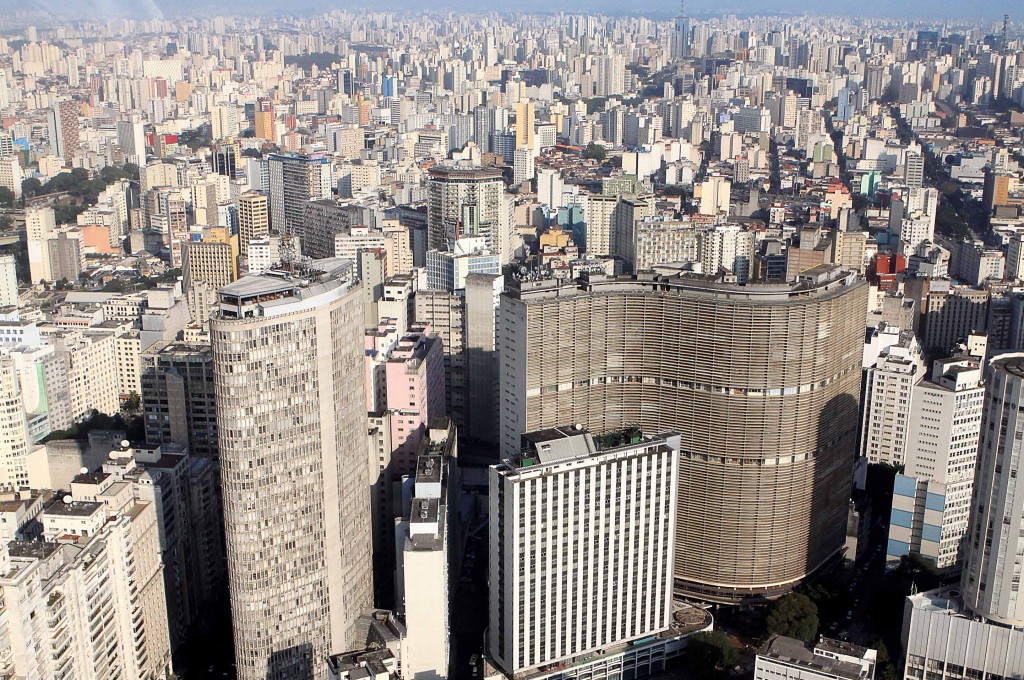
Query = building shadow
x=292 y=663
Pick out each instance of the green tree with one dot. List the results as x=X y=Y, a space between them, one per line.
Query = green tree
x=31 y=187
x=132 y=403
x=595 y=151
x=6 y=197
x=794 y=616
x=710 y=654
x=65 y=212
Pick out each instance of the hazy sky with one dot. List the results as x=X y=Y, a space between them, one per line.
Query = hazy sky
x=924 y=9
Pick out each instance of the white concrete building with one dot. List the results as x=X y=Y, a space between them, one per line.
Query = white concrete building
x=425 y=544
x=783 y=658
x=88 y=602
x=888 y=388
x=932 y=497
x=943 y=640
x=8 y=281
x=564 y=583
x=447 y=269
x=39 y=225
x=995 y=535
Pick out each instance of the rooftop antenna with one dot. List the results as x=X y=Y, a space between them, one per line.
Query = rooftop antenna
x=1003 y=35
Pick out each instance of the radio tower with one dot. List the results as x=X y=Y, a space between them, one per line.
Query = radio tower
x=1004 y=38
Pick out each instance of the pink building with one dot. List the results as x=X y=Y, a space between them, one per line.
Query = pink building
x=414 y=393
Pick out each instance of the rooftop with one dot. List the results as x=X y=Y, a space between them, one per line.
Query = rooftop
x=74 y=508
x=802 y=654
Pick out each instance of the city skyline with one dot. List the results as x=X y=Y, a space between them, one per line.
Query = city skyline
x=545 y=342
x=936 y=12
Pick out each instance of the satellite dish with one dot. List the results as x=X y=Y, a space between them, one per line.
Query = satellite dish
x=68 y=500
x=84 y=470
x=125 y=443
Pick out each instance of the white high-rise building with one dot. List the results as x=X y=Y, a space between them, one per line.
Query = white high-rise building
x=292 y=432
x=447 y=269
x=888 y=388
x=425 y=543
x=549 y=187
x=88 y=601
x=716 y=194
x=8 y=281
x=294 y=180
x=39 y=226
x=994 y=547
x=976 y=630
x=932 y=496
x=581 y=549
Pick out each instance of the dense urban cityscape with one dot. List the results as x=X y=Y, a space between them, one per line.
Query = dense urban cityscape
x=352 y=344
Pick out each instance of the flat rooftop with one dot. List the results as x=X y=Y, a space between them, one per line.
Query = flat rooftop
x=73 y=509
x=801 y=654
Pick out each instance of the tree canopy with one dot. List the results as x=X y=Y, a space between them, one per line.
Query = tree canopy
x=710 y=655
x=595 y=151
x=794 y=615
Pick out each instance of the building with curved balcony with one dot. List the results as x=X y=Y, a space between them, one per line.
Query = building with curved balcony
x=761 y=381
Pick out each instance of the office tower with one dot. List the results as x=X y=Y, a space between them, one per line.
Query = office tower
x=525 y=115
x=468 y=201
x=291 y=421
x=206 y=266
x=932 y=495
x=991 y=573
x=348 y=242
x=447 y=269
x=324 y=219
x=445 y=312
x=974 y=629
x=62 y=124
x=88 y=601
x=950 y=312
x=567 y=576
x=681 y=34
x=771 y=495
x=913 y=170
x=167 y=216
x=39 y=225
x=599 y=215
x=67 y=255
x=253 y=219
x=131 y=137
x=294 y=180
x=425 y=541
x=264 y=120
x=996 y=190
x=888 y=385
x=226 y=160
x=483 y=294
x=629 y=211
x=715 y=195
x=178 y=400
x=8 y=281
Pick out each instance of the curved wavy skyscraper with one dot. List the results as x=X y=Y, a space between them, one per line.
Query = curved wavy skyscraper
x=761 y=381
